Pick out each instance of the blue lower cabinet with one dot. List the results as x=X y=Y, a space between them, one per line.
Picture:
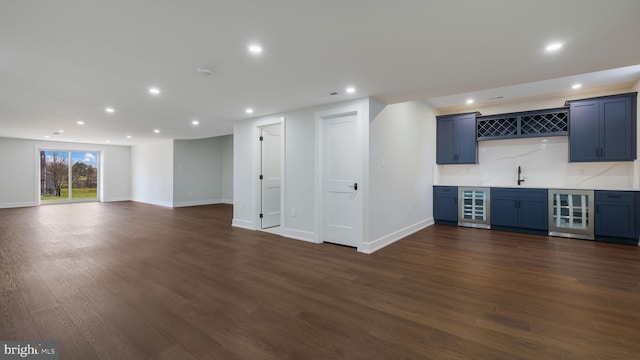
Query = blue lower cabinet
x=638 y=214
x=504 y=209
x=615 y=218
x=520 y=210
x=445 y=205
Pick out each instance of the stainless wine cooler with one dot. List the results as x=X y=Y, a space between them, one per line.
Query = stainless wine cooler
x=473 y=207
x=571 y=213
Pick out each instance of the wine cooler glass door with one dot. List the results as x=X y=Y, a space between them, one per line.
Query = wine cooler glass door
x=571 y=213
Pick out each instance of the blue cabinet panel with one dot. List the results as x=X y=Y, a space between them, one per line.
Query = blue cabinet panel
x=615 y=129
x=584 y=141
x=503 y=209
x=445 y=205
x=533 y=212
x=456 y=139
x=637 y=215
x=603 y=129
x=519 y=209
x=615 y=215
x=466 y=140
x=445 y=141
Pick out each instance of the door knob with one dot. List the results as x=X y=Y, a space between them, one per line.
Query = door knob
x=354 y=186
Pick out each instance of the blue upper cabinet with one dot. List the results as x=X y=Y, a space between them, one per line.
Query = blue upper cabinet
x=456 y=139
x=603 y=129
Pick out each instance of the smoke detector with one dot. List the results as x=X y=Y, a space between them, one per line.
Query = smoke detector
x=204 y=71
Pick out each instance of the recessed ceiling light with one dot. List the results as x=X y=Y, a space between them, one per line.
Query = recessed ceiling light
x=108 y=141
x=255 y=49
x=157 y=131
x=128 y=136
x=553 y=47
x=80 y=122
x=576 y=86
x=46 y=136
x=154 y=91
x=195 y=122
x=249 y=110
x=469 y=101
x=110 y=110
x=60 y=131
x=350 y=90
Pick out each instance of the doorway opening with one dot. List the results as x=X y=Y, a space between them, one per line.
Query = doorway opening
x=271 y=177
x=68 y=176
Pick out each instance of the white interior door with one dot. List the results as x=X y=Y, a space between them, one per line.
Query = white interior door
x=342 y=158
x=271 y=164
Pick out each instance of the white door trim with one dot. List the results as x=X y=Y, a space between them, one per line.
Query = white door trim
x=320 y=116
x=256 y=169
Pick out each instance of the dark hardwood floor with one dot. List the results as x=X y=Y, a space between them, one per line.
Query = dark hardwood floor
x=135 y=281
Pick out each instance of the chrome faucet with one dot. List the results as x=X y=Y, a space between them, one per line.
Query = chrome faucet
x=520 y=181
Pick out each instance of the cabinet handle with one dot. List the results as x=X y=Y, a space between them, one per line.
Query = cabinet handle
x=614 y=196
x=597 y=209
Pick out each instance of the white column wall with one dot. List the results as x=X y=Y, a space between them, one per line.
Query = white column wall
x=227 y=169
x=402 y=154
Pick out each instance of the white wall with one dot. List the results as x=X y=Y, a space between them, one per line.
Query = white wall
x=227 y=169
x=152 y=173
x=177 y=173
x=299 y=163
x=243 y=174
x=197 y=172
x=20 y=179
x=116 y=177
x=402 y=154
x=299 y=177
x=544 y=161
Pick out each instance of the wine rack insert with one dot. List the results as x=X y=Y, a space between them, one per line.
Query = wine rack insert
x=547 y=122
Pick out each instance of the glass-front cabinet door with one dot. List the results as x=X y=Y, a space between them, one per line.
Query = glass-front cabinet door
x=473 y=207
x=571 y=213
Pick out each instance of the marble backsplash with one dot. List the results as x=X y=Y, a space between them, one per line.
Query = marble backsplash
x=544 y=163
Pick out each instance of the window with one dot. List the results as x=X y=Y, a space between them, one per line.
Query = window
x=55 y=172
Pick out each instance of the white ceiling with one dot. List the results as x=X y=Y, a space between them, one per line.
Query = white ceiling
x=66 y=60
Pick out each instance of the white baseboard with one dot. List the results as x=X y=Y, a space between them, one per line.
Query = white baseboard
x=155 y=202
x=117 y=198
x=307 y=236
x=226 y=201
x=373 y=246
x=198 y=202
x=244 y=224
x=17 y=204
